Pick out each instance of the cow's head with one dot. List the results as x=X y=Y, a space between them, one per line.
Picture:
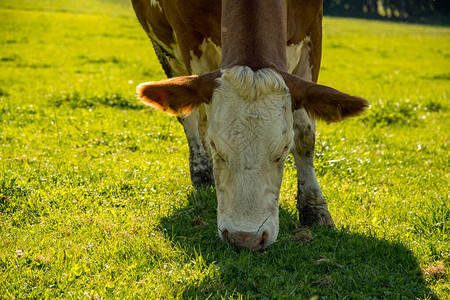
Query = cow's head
x=250 y=132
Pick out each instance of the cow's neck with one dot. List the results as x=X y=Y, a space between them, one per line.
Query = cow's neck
x=254 y=34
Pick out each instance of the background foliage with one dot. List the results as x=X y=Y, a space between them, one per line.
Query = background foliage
x=391 y=9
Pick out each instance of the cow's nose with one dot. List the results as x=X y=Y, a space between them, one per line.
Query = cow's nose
x=249 y=240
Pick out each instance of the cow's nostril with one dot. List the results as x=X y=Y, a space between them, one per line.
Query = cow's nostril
x=225 y=235
x=248 y=240
x=264 y=238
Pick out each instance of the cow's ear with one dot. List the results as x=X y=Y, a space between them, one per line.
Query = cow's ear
x=323 y=102
x=180 y=95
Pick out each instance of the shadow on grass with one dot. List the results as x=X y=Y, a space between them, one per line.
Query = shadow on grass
x=338 y=263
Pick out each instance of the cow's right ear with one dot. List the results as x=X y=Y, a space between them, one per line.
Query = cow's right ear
x=323 y=102
x=178 y=96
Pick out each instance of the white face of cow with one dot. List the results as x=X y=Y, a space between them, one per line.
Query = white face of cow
x=251 y=132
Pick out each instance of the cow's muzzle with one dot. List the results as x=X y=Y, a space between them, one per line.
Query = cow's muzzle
x=249 y=240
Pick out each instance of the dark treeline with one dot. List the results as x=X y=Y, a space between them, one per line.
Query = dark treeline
x=391 y=9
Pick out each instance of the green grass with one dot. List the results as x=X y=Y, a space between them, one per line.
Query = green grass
x=95 y=195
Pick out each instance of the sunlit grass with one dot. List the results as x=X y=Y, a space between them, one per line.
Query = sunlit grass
x=95 y=195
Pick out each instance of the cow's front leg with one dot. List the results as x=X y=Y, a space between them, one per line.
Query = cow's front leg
x=311 y=204
x=199 y=163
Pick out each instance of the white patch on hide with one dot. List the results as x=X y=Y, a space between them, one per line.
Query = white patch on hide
x=156 y=3
x=293 y=53
x=209 y=59
x=298 y=59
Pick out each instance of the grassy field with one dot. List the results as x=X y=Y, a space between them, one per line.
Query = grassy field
x=96 y=200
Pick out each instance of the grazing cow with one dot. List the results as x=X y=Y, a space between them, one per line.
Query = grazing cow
x=253 y=99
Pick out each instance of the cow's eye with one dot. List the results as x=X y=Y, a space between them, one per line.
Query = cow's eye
x=217 y=154
x=219 y=158
x=285 y=149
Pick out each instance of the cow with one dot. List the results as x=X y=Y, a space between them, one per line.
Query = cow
x=242 y=81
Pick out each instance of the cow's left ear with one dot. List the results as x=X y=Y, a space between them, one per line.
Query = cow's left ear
x=179 y=95
x=323 y=102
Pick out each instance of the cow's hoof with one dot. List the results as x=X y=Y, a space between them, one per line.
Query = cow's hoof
x=310 y=216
